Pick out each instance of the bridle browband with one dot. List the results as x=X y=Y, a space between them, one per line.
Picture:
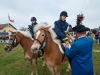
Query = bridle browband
x=41 y=43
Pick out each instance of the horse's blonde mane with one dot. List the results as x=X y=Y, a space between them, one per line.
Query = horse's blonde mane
x=25 y=33
x=53 y=34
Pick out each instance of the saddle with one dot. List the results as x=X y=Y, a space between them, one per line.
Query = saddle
x=62 y=46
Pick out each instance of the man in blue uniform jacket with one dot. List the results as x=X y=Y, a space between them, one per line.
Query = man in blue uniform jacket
x=31 y=27
x=80 y=52
x=61 y=25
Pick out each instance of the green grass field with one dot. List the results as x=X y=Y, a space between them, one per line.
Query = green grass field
x=13 y=63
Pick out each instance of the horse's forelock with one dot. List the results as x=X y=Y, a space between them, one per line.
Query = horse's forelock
x=40 y=26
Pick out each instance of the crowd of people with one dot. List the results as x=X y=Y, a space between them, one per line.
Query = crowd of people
x=3 y=38
x=95 y=35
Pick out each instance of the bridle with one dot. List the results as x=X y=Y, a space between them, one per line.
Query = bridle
x=43 y=42
x=13 y=40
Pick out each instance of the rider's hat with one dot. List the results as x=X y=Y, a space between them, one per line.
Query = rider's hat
x=33 y=19
x=64 y=13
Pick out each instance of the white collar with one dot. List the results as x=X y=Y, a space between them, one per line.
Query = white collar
x=82 y=36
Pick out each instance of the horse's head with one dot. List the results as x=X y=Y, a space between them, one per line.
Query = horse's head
x=12 y=42
x=40 y=38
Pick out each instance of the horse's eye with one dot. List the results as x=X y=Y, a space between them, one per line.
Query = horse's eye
x=43 y=35
x=11 y=39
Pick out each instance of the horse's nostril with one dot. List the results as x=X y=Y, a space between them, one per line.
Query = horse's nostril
x=4 y=48
x=35 y=49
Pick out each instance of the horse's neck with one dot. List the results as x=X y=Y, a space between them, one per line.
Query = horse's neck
x=25 y=42
x=49 y=44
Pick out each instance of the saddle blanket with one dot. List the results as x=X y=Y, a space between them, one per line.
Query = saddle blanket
x=61 y=49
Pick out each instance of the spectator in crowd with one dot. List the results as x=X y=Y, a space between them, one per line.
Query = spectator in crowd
x=97 y=37
x=0 y=38
x=88 y=34
x=70 y=28
x=92 y=35
x=99 y=34
x=99 y=29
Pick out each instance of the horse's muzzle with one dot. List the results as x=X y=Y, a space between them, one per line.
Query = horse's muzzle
x=8 y=48
x=35 y=48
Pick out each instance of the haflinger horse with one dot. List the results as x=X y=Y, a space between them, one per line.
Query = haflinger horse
x=25 y=40
x=45 y=38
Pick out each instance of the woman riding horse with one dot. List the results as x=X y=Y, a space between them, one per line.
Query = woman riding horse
x=61 y=26
x=45 y=38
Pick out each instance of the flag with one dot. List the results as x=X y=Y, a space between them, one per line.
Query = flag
x=10 y=19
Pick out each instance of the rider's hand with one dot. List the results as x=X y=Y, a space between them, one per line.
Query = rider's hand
x=68 y=46
x=71 y=38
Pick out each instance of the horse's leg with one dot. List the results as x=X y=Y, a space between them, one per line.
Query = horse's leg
x=69 y=67
x=43 y=64
x=35 y=65
x=57 y=70
x=51 y=69
x=30 y=61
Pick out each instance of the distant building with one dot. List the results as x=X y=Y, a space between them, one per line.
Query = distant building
x=4 y=29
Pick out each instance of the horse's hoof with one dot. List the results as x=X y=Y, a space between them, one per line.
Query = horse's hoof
x=43 y=64
x=67 y=70
x=25 y=58
x=32 y=73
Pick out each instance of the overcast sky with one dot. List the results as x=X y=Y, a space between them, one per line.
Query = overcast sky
x=49 y=10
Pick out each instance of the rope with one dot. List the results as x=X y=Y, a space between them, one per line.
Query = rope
x=87 y=6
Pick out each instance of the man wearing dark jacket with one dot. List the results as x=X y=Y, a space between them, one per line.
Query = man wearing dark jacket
x=61 y=25
x=31 y=27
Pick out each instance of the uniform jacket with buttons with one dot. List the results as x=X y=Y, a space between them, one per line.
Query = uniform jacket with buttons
x=80 y=54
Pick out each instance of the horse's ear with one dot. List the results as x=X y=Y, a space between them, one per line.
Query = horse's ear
x=47 y=28
x=11 y=31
